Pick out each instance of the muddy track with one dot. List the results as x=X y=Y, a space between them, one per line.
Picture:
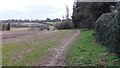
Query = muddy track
x=58 y=54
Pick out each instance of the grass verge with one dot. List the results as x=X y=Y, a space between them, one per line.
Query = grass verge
x=86 y=52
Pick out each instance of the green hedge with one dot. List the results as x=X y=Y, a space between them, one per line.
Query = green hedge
x=107 y=29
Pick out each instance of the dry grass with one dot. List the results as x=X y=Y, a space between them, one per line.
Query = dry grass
x=23 y=48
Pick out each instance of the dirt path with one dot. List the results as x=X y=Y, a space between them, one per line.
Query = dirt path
x=58 y=54
x=55 y=44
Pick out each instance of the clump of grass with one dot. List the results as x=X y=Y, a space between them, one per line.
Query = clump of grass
x=86 y=52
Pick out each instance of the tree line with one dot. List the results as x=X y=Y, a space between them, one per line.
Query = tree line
x=6 y=24
x=86 y=13
x=35 y=21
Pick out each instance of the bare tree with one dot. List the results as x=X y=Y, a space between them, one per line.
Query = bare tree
x=63 y=17
x=67 y=12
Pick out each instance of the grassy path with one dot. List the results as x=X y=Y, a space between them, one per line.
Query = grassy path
x=86 y=52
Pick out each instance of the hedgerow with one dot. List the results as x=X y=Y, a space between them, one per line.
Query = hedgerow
x=107 y=29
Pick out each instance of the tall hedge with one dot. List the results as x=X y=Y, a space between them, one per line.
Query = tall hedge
x=86 y=13
x=107 y=29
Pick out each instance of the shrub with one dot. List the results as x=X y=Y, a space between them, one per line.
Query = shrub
x=6 y=26
x=66 y=24
x=3 y=26
x=107 y=29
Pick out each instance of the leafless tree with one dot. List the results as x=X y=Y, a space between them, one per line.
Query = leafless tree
x=67 y=12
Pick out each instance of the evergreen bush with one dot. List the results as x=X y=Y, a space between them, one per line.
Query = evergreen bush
x=107 y=29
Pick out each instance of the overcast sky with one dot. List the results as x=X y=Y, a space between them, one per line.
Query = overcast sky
x=33 y=9
x=98 y=0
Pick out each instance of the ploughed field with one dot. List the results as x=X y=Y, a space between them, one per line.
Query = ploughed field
x=30 y=47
